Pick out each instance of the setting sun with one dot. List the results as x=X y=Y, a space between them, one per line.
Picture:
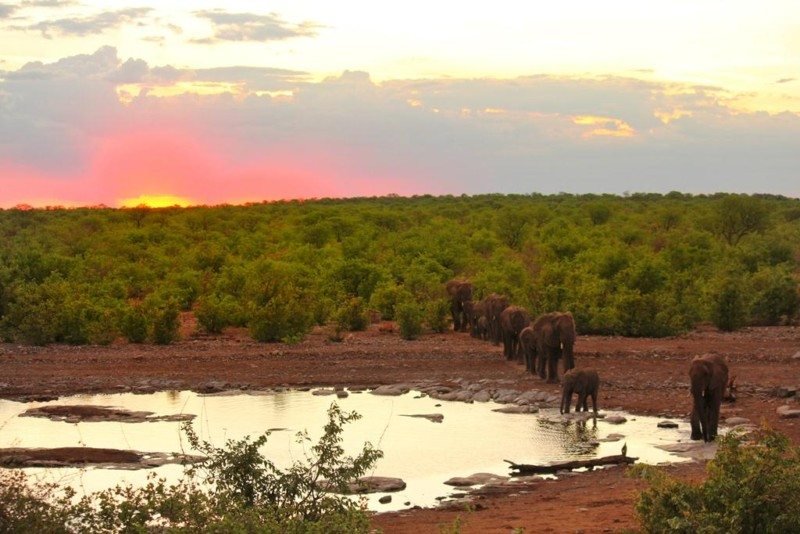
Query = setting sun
x=156 y=201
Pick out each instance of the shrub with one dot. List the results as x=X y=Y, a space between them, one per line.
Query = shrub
x=163 y=316
x=352 y=315
x=409 y=320
x=215 y=312
x=751 y=487
x=281 y=319
x=134 y=324
x=436 y=314
x=775 y=296
x=385 y=299
x=728 y=306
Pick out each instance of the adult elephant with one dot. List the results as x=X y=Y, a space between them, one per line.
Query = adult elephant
x=460 y=292
x=512 y=321
x=584 y=382
x=554 y=335
x=709 y=377
x=494 y=306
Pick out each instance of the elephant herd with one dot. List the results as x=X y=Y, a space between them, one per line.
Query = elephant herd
x=539 y=343
x=551 y=336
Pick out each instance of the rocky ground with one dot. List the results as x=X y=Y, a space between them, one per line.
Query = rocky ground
x=646 y=376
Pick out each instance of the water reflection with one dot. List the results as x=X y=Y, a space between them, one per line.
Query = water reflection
x=471 y=438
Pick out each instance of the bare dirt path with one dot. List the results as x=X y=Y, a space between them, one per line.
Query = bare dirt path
x=647 y=376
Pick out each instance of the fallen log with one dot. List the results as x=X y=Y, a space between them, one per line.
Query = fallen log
x=530 y=469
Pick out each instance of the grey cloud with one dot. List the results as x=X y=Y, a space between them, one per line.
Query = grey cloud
x=533 y=145
x=49 y=3
x=88 y=25
x=785 y=80
x=252 y=27
x=6 y=10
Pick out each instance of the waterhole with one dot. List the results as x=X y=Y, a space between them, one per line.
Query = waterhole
x=471 y=438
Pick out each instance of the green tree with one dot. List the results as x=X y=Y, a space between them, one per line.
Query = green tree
x=738 y=215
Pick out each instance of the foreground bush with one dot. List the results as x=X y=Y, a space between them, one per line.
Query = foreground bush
x=236 y=489
x=751 y=488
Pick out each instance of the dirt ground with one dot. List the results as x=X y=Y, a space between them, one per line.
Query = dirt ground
x=645 y=376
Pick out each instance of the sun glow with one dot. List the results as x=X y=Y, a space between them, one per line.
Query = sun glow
x=156 y=201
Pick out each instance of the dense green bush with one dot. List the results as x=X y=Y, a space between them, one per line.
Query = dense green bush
x=164 y=319
x=409 y=320
x=752 y=487
x=352 y=315
x=134 y=324
x=437 y=313
x=728 y=304
x=645 y=264
x=281 y=319
x=215 y=312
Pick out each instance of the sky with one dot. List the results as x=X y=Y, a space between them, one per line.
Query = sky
x=209 y=102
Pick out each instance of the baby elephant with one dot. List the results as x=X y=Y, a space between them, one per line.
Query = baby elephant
x=584 y=382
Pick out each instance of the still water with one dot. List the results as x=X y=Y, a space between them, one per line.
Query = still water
x=471 y=438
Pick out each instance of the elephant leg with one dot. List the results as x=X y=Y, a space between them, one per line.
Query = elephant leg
x=585 y=402
x=552 y=368
x=454 y=314
x=714 y=415
x=541 y=363
x=566 y=399
x=698 y=409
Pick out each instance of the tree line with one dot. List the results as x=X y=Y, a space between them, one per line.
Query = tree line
x=635 y=265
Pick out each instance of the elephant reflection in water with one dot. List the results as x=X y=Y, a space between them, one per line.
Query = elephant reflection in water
x=572 y=437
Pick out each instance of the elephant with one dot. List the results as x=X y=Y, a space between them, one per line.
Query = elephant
x=459 y=291
x=527 y=344
x=709 y=377
x=512 y=321
x=482 y=328
x=584 y=382
x=474 y=311
x=554 y=335
x=494 y=306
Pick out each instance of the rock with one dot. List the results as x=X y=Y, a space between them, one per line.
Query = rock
x=611 y=438
x=665 y=424
x=697 y=450
x=785 y=392
x=615 y=419
x=78 y=413
x=475 y=479
x=434 y=417
x=391 y=390
x=796 y=355
x=524 y=408
x=737 y=421
x=323 y=392
x=375 y=485
x=386 y=499
x=505 y=396
x=787 y=412
x=342 y=394
x=482 y=396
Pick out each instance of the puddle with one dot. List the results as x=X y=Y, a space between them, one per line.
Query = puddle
x=471 y=438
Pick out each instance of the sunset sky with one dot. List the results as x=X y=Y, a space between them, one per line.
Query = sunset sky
x=210 y=102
